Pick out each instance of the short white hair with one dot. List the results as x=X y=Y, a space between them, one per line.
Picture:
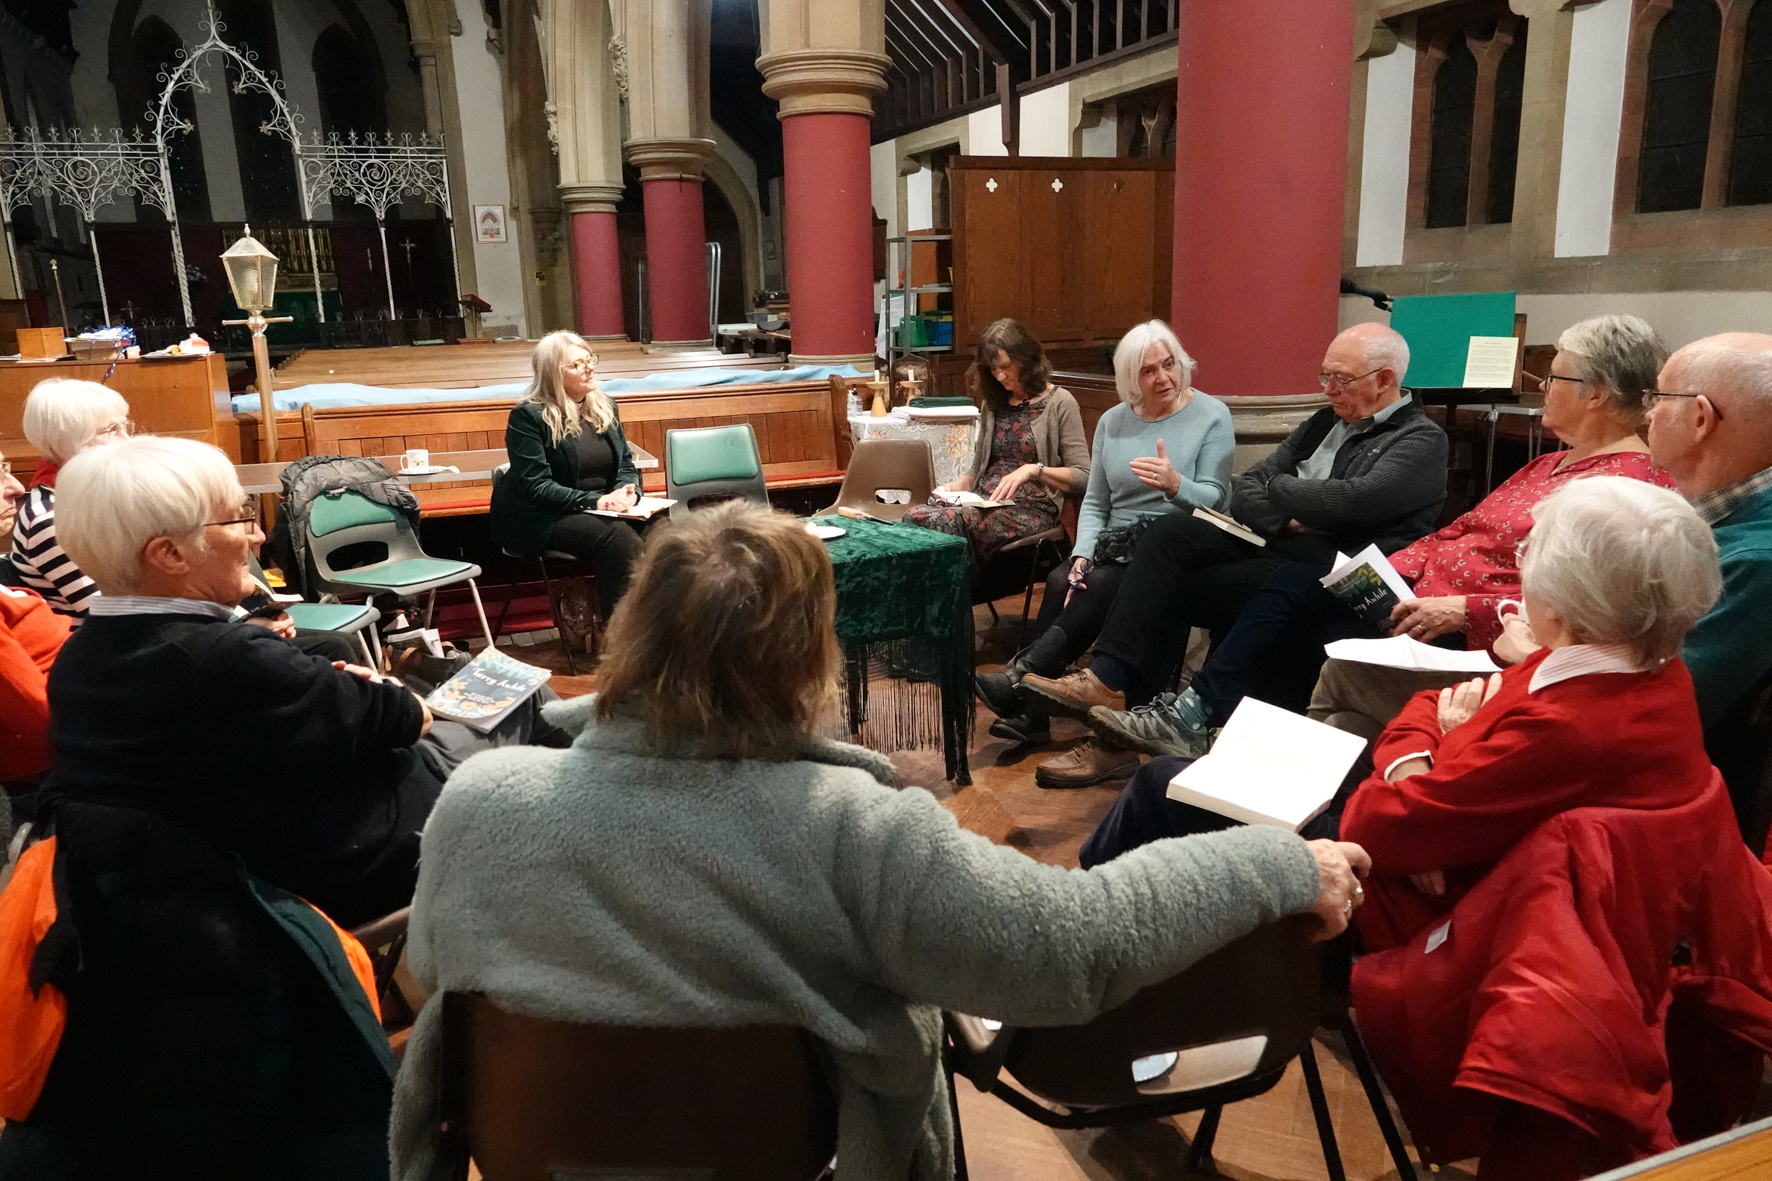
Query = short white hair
x=1386 y=349
x=63 y=415
x=1129 y=358
x=111 y=501
x=1622 y=353
x=1623 y=562
x=1731 y=364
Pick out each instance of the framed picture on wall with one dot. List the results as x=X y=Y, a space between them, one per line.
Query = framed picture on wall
x=489 y=224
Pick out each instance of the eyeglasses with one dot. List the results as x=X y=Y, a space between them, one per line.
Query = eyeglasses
x=125 y=429
x=248 y=515
x=1544 y=383
x=1651 y=397
x=582 y=365
x=1338 y=382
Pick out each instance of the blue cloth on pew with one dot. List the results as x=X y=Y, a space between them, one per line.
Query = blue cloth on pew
x=332 y=395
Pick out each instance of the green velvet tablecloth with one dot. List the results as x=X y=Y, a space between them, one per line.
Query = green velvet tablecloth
x=904 y=618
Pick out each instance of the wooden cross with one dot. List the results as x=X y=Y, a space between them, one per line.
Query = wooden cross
x=408 y=246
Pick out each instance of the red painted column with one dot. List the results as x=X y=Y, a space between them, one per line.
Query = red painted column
x=1261 y=154
x=828 y=202
x=596 y=265
x=676 y=259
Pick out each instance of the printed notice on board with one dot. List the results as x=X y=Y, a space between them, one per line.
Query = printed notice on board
x=1489 y=365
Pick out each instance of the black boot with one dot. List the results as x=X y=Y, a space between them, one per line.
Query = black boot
x=1046 y=657
x=1032 y=728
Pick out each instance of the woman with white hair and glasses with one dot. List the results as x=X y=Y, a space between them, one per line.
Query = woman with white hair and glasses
x=1165 y=449
x=319 y=775
x=1616 y=572
x=62 y=418
x=568 y=456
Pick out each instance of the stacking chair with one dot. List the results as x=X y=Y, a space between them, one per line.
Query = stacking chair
x=886 y=463
x=346 y=518
x=344 y=618
x=547 y=581
x=1020 y=564
x=1233 y=1022
x=711 y=460
x=532 y=1099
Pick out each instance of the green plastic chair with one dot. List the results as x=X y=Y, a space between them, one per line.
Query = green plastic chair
x=345 y=518
x=348 y=619
x=700 y=461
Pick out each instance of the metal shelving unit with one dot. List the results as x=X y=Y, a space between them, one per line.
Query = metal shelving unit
x=898 y=262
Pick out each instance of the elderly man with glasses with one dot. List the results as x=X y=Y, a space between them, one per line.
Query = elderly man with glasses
x=319 y=775
x=1369 y=468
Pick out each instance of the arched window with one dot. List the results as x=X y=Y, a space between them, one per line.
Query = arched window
x=1504 y=144
x=1750 y=169
x=352 y=89
x=267 y=165
x=1449 y=153
x=1676 y=116
x=153 y=47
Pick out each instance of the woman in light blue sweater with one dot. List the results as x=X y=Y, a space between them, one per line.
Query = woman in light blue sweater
x=1166 y=449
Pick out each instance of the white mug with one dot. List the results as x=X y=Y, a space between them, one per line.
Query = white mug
x=417 y=457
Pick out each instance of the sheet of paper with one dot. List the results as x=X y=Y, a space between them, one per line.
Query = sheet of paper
x=649 y=506
x=1269 y=766
x=1404 y=652
x=1381 y=565
x=1490 y=363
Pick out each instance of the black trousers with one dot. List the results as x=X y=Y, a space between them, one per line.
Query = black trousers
x=1144 y=813
x=1185 y=574
x=1088 y=608
x=609 y=545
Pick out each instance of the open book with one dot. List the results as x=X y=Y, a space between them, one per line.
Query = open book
x=1369 y=585
x=968 y=500
x=486 y=690
x=649 y=507
x=1269 y=766
x=1408 y=653
x=1230 y=525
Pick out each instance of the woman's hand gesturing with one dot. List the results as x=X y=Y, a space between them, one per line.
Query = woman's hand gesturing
x=1159 y=473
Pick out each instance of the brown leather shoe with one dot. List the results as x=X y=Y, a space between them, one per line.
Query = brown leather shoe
x=1073 y=696
x=1085 y=765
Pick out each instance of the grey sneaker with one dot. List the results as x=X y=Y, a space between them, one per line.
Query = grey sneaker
x=1171 y=724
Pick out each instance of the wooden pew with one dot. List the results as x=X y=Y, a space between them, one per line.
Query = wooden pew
x=796 y=433
x=463 y=367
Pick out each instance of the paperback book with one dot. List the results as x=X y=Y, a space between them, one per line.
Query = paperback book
x=645 y=510
x=486 y=690
x=1369 y=585
x=1230 y=525
x=1269 y=766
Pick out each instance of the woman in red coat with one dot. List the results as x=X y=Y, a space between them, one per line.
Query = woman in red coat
x=1617 y=571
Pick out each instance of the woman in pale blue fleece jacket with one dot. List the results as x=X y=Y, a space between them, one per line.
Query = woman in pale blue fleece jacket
x=699 y=858
x=1166 y=449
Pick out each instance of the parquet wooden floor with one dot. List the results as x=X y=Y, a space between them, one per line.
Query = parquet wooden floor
x=1269 y=1138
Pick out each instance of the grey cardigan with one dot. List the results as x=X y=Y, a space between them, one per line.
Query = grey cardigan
x=611 y=882
x=1385 y=488
x=1059 y=441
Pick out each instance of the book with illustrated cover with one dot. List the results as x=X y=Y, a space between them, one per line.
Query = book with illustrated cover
x=1269 y=766
x=1230 y=525
x=1369 y=586
x=486 y=690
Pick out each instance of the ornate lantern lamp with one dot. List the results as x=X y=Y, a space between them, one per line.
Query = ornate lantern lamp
x=252 y=275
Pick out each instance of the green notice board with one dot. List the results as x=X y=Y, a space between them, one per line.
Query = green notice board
x=1439 y=330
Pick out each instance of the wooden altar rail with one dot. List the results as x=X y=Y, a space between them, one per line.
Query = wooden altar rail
x=466 y=366
x=797 y=433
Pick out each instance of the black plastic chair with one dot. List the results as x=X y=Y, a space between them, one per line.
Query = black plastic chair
x=532 y=1099
x=1020 y=565
x=1234 y=1022
x=581 y=570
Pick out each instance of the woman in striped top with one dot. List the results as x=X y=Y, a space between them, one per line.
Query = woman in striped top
x=63 y=417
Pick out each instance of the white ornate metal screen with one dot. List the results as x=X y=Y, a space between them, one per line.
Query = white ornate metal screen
x=88 y=171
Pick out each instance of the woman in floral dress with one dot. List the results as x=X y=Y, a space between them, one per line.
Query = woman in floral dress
x=1031 y=452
